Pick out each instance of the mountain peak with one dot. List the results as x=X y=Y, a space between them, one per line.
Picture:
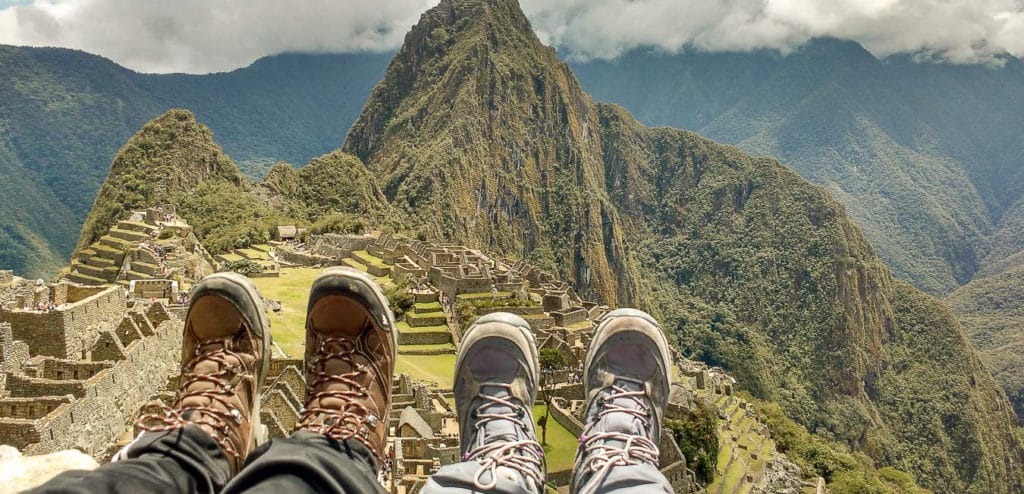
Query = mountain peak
x=171 y=154
x=452 y=42
x=483 y=135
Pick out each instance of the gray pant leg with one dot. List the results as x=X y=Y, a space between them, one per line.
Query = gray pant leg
x=459 y=478
x=633 y=479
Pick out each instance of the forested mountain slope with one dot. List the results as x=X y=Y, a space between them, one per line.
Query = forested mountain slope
x=65 y=113
x=926 y=157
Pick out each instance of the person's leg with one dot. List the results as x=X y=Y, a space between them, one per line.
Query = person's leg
x=308 y=463
x=351 y=347
x=184 y=460
x=626 y=378
x=196 y=445
x=496 y=378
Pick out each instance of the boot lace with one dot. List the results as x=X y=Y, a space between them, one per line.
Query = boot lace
x=352 y=420
x=524 y=455
x=221 y=416
x=606 y=450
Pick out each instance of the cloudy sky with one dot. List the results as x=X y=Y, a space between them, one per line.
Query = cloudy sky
x=216 y=35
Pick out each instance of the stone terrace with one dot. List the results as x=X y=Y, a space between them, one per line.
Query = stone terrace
x=150 y=244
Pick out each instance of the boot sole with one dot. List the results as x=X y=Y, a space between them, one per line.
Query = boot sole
x=602 y=333
x=511 y=327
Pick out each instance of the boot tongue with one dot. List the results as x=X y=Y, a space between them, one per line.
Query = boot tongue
x=622 y=422
x=497 y=429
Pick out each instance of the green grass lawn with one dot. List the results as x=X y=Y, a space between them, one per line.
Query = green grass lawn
x=482 y=295
x=288 y=326
x=560 y=451
x=579 y=326
x=352 y=263
x=404 y=327
x=292 y=289
x=252 y=254
x=366 y=258
x=435 y=368
x=438 y=346
x=428 y=307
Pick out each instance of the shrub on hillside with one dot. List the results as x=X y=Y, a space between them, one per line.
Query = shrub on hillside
x=697 y=437
x=400 y=298
x=846 y=472
x=225 y=218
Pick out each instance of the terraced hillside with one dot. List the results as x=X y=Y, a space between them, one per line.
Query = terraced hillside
x=101 y=262
x=148 y=245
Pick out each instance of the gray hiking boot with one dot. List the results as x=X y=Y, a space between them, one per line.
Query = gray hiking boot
x=496 y=378
x=627 y=384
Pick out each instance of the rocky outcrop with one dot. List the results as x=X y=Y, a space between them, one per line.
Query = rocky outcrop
x=19 y=473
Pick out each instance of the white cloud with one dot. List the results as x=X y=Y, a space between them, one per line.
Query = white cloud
x=209 y=35
x=962 y=31
x=214 y=35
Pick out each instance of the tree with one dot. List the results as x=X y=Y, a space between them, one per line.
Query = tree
x=551 y=359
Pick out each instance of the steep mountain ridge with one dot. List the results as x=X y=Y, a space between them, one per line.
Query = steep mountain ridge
x=922 y=155
x=171 y=155
x=482 y=136
x=925 y=157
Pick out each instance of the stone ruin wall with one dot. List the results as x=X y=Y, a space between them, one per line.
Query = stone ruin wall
x=106 y=403
x=52 y=403
x=67 y=332
x=338 y=246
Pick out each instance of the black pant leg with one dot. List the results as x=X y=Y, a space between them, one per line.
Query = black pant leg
x=307 y=462
x=180 y=461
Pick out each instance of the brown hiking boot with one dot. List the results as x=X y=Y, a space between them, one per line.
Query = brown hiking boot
x=351 y=347
x=224 y=358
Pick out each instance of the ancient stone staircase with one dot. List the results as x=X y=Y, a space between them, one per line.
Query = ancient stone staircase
x=425 y=329
x=101 y=262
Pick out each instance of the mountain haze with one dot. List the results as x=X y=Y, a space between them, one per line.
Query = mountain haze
x=926 y=157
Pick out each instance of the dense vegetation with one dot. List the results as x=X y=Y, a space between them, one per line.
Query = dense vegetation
x=992 y=311
x=924 y=156
x=847 y=472
x=64 y=114
x=227 y=218
x=172 y=155
x=696 y=433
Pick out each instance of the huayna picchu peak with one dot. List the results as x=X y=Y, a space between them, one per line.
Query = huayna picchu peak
x=172 y=154
x=482 y=176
